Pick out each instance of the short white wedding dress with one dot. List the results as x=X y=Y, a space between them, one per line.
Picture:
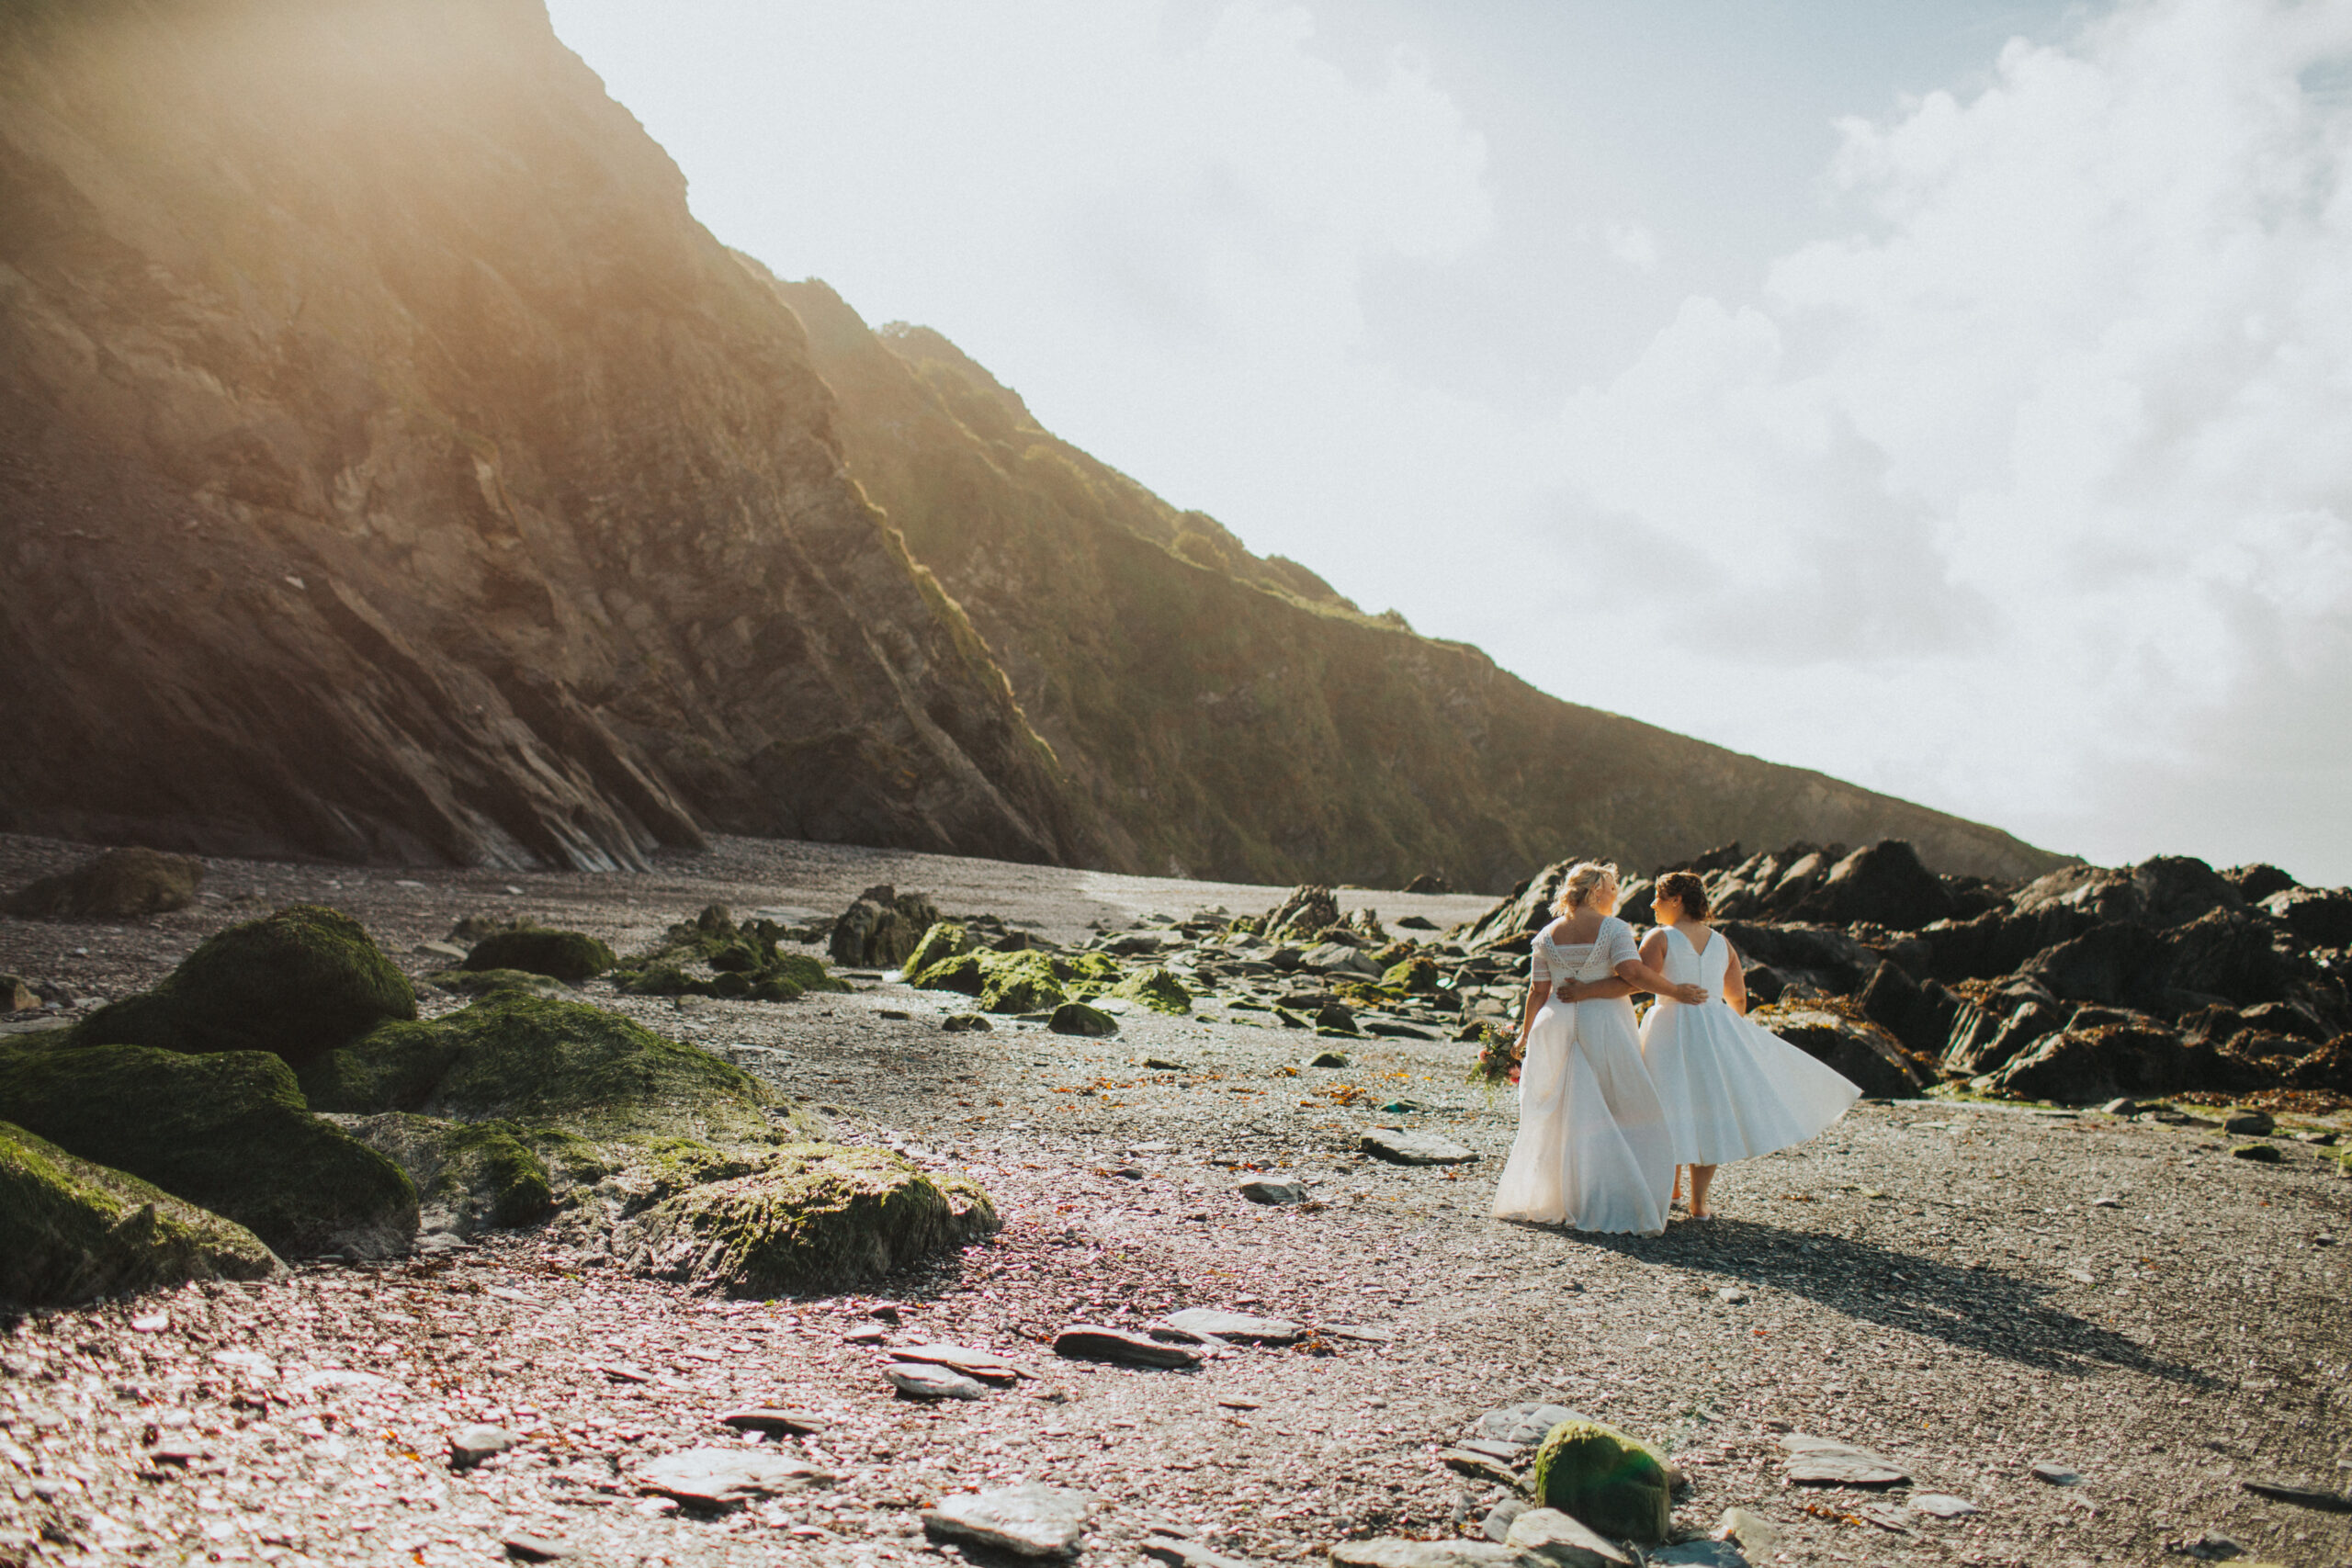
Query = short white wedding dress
x=1733 y=1088
x=1593 y=1147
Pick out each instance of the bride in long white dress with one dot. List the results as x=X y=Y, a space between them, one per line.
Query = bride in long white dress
x=1592 y=1149
x=1732 y=1090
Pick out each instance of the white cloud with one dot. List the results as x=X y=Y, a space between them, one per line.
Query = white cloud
x=1631 y=242
x=2033 y=496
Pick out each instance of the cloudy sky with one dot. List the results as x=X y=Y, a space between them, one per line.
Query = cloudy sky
x=1955 y=397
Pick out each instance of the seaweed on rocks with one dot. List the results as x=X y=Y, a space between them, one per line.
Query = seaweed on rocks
x=569 y=957
x=711 y=955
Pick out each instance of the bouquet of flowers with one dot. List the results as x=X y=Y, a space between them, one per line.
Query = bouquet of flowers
x=1498 y=1062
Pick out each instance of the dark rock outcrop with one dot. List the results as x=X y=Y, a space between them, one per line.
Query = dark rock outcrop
x=392 y=468
x=882 y=929
x=120 y=885
x=1884 y=883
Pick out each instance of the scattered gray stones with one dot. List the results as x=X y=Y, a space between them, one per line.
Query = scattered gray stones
x=984 y=1365
x=725 y=1478
x=1399 y=1147
x=1234 y=1325
x=524 y=1547
x=1753 y=1533
x=1392 y=1552
x=1267 y=1190
x=1093 y=1342
x=1180 y=1552
x=472 y=1445
x=1560 y=1537
x=922 y=1380
x=1524 y=1425
x=1033 y=1520
x=1479 y=1464
x=1942 y=1505
x=2055 y=1474
x=967 y=1023
x=1498 y=1519
x=1822 y=1461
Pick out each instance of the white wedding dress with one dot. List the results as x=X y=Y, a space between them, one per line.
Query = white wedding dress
x=1593 y=1147
x=1732 y=1090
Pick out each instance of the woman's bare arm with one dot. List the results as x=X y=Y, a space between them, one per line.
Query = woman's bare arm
x=1574 y=990
x=1646 y=977
x=1535 y=989
x=1735 y=983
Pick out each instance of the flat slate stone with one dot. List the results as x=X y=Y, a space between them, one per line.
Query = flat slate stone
x=1234 y=1325
x=472 y=1445
x=1092 y=1342
x=1942 y=1505
x=920 y=1380
x=524 y=1547
x=986 y=1365
x=2303 y=1497
x=1034 y=1520
x=724 y=1478
x=764 y=1418
x=2056 y=1474
x=1699 y=1554
x=1392 y=1552
x=1265 y=1189
x=1562 y=1538
x=1414 y=1148
x=1478 y=1466
x=1823 y=1461
x=1178 y=1553
x=1524 y=1425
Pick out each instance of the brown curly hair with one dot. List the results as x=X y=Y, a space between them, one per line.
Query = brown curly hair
x=1685 y=888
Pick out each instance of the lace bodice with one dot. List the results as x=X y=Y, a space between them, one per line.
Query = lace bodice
x=1594 y=960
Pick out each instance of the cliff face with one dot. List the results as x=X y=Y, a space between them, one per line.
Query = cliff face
x=1233 y=717
x=392 y=468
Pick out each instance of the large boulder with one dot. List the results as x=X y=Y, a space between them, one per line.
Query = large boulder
x=946 y=940
x=226 y=1131
x=1155 y=988
x=2084 y=1064
x=882 y=929
x=569 y=957
x=120 y=885
x=2123 y=963
x=2258 y=882
x=1823 y=957
x=1983 y=1041
x=1597 y=1474
x=1884 y=883
x=72 y=1231
x=469 y=1176
x=1863 y=1052
x=534 y=1060
x=2319 y=917
x=818 y=1218
x=2225 y=952
x=1306 y=911
x=1919 y=1016
x=295 y=983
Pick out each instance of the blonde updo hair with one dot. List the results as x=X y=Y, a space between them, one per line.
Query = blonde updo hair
x=1584 y=879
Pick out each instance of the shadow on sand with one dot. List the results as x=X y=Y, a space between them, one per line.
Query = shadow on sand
x=1980 y=1309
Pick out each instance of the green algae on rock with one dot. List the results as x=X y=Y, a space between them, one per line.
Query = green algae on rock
x=72 y=1231
x=1155 y=988
x=486 y=982
x=820 y=1217
x=1019 y=982
x=946 y=940
x=468 y=1176
x=226 y=1131
x=569 y=957
x=1608 y=1480
x=1076 y=1017
x=741 y=961
x=294 y=984
x=533 y=1059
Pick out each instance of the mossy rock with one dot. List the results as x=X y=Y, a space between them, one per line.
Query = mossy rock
x=1019 y=982
x=744 y=962
x=295 y=983
x=569 y=957
x=1412 y=974
x=120 y=885
x=226 y=1131
x=1612 y=1481
x=72 y=1231
x=821 y=1218
x=1076 y=1017
x=661 y=979
x=809 y=973
x=490 y=982
x=948 y=938
x=961 y=974
x=1089 y=969
x=1155 y=988
x=469 y=1176
x=565 y=1063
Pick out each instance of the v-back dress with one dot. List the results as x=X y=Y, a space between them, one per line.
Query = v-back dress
x=1592 y=1149
x=1732 y=1090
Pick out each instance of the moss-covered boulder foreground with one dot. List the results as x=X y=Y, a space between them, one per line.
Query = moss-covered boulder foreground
x=819 y=1218
x=226 y=1131
x=72 y=1231
x=535 y=1059
x=1027 y=981
x=469 y=1176
x=569 y=957
x=1604 y=1478
x=294 y=984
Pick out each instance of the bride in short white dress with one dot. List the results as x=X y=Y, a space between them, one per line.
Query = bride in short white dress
x=1732 y=1088
x=1592 y=1149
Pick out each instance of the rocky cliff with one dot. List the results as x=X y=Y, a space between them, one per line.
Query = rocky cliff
x=392 y=468
x=1231 y=716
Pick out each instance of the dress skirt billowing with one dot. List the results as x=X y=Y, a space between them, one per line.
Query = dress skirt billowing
x=1593 y=1147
